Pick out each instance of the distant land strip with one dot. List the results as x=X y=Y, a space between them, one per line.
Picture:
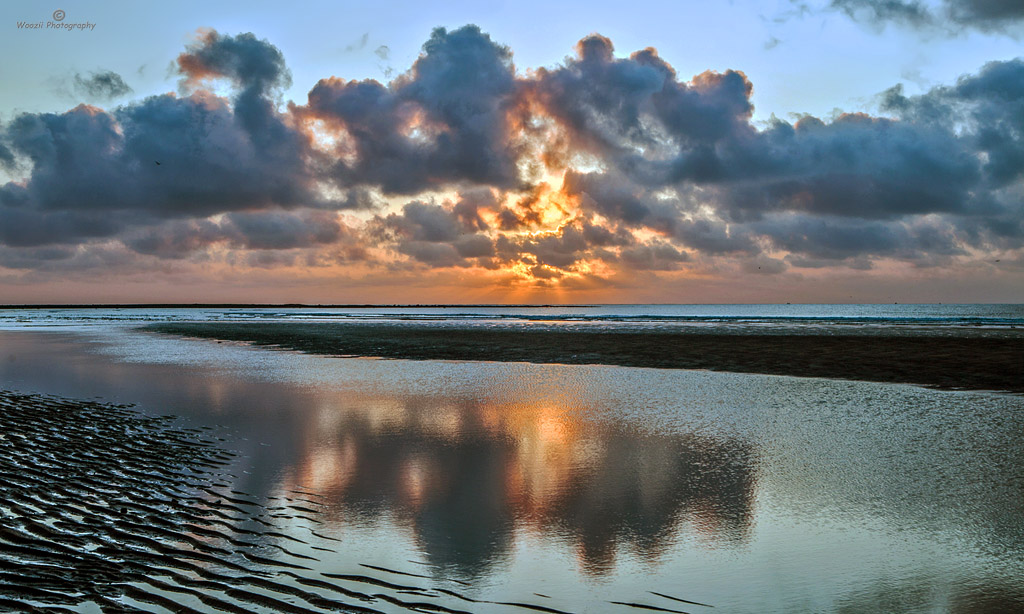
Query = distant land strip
x=927 y=359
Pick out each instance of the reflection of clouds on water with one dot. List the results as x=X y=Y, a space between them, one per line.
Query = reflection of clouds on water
x=463 y=473
x=465 y=476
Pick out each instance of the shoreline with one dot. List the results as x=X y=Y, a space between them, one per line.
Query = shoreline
x=921 y=358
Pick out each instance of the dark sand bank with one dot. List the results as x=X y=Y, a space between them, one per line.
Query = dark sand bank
x=967 y=361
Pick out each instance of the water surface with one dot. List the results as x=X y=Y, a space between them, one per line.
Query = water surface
x=576 y=486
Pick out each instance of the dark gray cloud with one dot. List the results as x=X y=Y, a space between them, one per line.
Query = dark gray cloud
x=470 y=204
x=904 y=12
x=988 y=109
x=856 y=166
x=658 y=256
x=95 y=172
x=251 y=63
x=442 y=122
x=557 y=250
x=285 y=230
x=991 y=106
x=6 y=156
x=23 y=227
x=102 y=85
x=637 y=114
x=34 y=257
x=987 y=14
x=831 y=238
x=175 y=239
x=675 y=216
x=55 y=263
x=711 y=236
x=162 y=157
x=952 y=15
x=425 y=222
x=263 y=230
x=437 y=235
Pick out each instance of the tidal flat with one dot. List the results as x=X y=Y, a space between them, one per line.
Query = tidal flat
x=455 y=485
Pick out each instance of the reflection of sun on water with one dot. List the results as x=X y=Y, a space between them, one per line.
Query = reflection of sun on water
x=415 y=477
x=444 y=422
x=552 y=431
x=543 y=458
x=386 y=414
x=329 y=468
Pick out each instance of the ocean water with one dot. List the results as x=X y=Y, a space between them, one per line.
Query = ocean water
x=588 y=488
x=760 y=317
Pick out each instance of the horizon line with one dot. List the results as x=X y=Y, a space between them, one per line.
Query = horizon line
x=418 y=305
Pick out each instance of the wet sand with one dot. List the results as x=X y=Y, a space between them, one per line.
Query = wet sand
x=104 y=507
x=980 y=360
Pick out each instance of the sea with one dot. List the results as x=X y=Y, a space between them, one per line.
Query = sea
x=516 y=487
x=761 y=317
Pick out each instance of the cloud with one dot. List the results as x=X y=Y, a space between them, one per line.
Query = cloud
x=384 y=54
x=264 y=230
x=990 y=104
x=94 y=172
x=904 y=12
x=442 y=122
x=659 y=256
x=284 y=230
x=985 y=14
x=593 y=172
x=765 y=265
x=637 y=115
x=254 y=65
x=856 y=166
x=103 y=85
x=162 y=157
x=950 y=15
x=439 y=236
x=359 y=44
x=6 y=157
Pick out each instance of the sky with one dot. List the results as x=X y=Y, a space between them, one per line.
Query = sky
x=512 y=152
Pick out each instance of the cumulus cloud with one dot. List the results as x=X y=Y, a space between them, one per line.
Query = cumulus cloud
x=594 y=170
x=253 y=64
x=442 y=122
x=94 y=172
x=636 y=114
